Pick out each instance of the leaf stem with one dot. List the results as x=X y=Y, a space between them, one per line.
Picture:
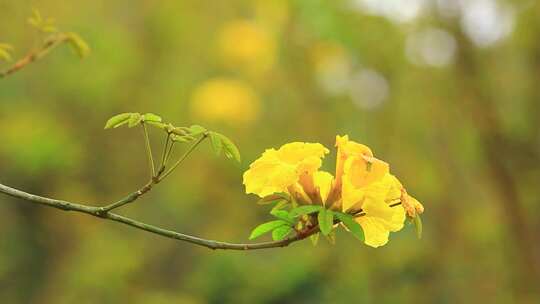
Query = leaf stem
x=171 y=146
x=186 y=154
x=149 y=151
x=165 y=148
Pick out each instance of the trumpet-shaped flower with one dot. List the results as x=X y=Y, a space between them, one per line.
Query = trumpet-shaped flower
x=281 y=170
x=363 y=186
x=379 y=218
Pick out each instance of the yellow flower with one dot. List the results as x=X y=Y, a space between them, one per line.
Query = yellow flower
x=225 y=100
x=247 y=44
x=280 y=170
x=363 y=186
x=378 y=217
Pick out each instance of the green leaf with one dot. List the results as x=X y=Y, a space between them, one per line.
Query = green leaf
x=280 y=205
x=266 y=227
x=36 y=19
x=282 y=215
x=326 y=221
x=183 y=139
x=117 y=120
x=418 y=226
x=6 y=46
x=351 y=224
x=305 y=209
x=231 y=151
x=78 y=44
x=156 y=124
x=196 y=130
x=281 y=232
x=151 y=117
x=217 y=144
x=5 y=50
x=182 y=131
x=134 y=119
x=5 y=55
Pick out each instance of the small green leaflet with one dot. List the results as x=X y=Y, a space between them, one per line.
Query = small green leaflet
x=266 y=227
x=281 y=232
x=280 y=205
x=134 y=120
x=231 y=151
x=282 y=215
x=78 y=44
x=44 y=25
x=351 y=224
x=183 y=139
x=418 y=226
x=180 y=131
x=305 y=209
x=326 y=221
x=4 y=51
x=217 y=144
x=221 y=143
x=118 y=120
x=196 y=130
x=151 y=117
x=153 y=120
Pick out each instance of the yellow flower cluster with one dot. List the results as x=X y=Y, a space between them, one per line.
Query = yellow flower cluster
x=362 y=186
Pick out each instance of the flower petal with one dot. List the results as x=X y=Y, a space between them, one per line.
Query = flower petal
x=379 y=222
x=323 y=181
x=276 y=170
x=358 y=175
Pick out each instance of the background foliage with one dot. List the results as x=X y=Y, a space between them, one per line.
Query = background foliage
x=446 y=91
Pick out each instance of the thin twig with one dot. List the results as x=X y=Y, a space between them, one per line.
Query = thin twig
x=169 y=152
x=164 y=155
x=149 y=151
x=186 y=154
x=128 y=199
x=35 y=55
x=97 y=212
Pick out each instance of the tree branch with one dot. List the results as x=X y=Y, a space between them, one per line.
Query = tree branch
x=98 y=212
x=35 y=55
x=128 y=199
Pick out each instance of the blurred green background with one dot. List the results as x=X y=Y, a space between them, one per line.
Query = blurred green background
x=446 y=91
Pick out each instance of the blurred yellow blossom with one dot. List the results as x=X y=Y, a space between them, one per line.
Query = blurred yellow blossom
x=363 y=185
x=225 y=100
x=246 y=44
